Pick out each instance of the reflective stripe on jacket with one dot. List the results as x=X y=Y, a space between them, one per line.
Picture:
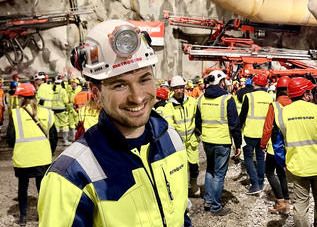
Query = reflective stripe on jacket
x=31 y=147
x=214 y=118
x=259 y=102
x=98 y=181
x=297 y=122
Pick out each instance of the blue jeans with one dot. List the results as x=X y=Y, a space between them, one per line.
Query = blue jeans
x=217 y=166
x=256 y=174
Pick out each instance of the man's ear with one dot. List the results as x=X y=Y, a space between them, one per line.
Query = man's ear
x=95 y=91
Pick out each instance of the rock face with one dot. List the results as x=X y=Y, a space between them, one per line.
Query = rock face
x=59 y=41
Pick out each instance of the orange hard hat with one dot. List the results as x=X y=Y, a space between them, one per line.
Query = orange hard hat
x=260 y=79
x=161 y=93
x=283 y=81
x=298 y=86
x=25 y=89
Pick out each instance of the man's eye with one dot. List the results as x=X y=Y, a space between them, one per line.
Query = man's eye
x=146 y=79
x=119 y=86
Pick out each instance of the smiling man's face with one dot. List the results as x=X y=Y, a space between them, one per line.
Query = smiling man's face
x=128 y=99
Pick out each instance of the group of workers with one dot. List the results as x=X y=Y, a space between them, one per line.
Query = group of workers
x=137 y=164
x=38 y=110
x=281 y=139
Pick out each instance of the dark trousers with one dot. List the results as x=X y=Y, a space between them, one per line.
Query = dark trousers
x=23 y=192
x=278 y=183
x=256 y=173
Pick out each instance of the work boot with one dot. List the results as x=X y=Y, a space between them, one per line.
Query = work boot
x=194 y=190
x=287 y=203
x=22 y=220
x=65 y=139
x=72 y=133
x=279 y=206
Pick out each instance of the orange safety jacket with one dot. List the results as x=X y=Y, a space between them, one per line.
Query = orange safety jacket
x=82 y=99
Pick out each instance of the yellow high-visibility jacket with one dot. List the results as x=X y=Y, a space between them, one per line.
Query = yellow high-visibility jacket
x=297 y=122
x=214 y=118
x=259 y=102
x=181 y=116
x=99 y=181
x=31 y=147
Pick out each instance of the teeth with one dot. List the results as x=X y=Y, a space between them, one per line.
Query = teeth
x=135 y=109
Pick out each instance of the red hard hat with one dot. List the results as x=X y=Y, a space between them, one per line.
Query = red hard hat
x=25 y=89
x=161 y=93
x=298 y=86
x=283 y=81
x=14 y=76
x=260 y=79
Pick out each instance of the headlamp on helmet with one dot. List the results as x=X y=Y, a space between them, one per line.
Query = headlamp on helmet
x=125 y=40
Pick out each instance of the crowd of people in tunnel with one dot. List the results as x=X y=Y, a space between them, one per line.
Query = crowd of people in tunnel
x=132 y=145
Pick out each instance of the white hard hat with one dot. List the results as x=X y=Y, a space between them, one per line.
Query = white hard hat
x=112 y=48
x=217 y=76
x=271 y=88
x=59 y=79
x=165 y=83
x=39 y=76
x=177 y=81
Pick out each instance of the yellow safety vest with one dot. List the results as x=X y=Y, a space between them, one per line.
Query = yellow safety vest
x=31 y=147
x=13 y=102
x=214 y=118
x=45 y=93
x=181 y=117
x=297 y=122
x=88 y=116
x=259 y=102
x=238 y=103
x=60 y=98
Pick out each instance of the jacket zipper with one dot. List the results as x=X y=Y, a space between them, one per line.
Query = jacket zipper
x=168 y=186
x=184 y=119
x=159 y=203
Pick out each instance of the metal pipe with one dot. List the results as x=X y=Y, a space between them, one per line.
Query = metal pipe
x=293 y=12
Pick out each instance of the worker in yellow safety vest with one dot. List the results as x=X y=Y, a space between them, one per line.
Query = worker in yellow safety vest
x=32 y=134
x=11 y=100
x=297 y=122
x=130 y=169
x=60 y=104
x=2 y=107
x=44 y=92
x=72 y=113
x=252 y=116
x=180 y=113
x=217 y=121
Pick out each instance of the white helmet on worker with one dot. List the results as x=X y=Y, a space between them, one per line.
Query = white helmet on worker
x=216 y=76
x=177 y=81
x=39 y=76
x=112 y=48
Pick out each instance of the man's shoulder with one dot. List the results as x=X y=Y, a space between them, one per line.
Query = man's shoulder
x=78 y=165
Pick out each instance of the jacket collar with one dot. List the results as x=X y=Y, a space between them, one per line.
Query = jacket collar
x=175 y=102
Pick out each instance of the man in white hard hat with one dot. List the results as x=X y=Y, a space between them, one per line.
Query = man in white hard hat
x=130 y=169
x=218 y=122
x=180 y=113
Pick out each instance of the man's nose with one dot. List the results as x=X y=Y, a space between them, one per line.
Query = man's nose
x=136 y=94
